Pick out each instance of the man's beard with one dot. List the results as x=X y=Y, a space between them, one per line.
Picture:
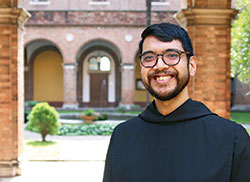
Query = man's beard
x=181 y=84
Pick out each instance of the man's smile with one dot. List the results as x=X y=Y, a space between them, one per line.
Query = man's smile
x=162 y=77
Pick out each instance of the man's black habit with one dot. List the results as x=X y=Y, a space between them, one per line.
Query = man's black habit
x=191 y=144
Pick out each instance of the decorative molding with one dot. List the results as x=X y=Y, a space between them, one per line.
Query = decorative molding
x=39 y=3
x=10 y=168
x=69 y=37
x=99 y=3
x=127 y=66
x=71 y=18
x=24 y=16
x=69 y=65
x=160 y=3
x=128 y=38
x=14 y=16
x=195 y=16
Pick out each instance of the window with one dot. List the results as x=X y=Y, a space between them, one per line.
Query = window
x=93 y=64
x=99 y=64
x=105 y=64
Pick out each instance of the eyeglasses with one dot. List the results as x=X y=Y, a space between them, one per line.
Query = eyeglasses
x=170 y=57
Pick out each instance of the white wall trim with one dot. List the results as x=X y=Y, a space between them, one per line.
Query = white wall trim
x=160 y=3
x=39 y=3
x=99 y=3
x=128 y=66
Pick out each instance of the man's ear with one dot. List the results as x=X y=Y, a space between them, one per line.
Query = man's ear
x=192 y=65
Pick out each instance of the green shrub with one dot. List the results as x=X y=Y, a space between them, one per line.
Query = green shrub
x=102 y=117
x=43 y=119
x=129 y=109
x=86 y=129
x=89 y=112
x=31 y=103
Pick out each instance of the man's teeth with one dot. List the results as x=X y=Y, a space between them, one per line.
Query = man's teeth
x=162 y=78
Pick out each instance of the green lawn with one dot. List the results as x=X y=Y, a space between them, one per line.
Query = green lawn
x=248 y=130
x=241 y=117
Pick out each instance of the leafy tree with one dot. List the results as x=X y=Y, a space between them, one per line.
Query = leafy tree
x=43 y=119
x=240 y=43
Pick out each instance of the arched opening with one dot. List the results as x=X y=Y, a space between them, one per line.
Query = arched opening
x=43 y=73
x=98 y=75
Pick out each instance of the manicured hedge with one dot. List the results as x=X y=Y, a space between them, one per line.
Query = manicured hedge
x=86 y=129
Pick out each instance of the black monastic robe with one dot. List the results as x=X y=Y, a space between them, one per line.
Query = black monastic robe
x=191 y=144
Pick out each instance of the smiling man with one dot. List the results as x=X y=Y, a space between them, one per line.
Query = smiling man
x=176 y=139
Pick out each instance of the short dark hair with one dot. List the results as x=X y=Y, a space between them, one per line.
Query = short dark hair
x=166 y=32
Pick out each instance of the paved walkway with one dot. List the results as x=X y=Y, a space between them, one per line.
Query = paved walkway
x=246 y=125
x=76 y=159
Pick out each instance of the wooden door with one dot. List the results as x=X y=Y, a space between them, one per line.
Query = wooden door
x=98 y=89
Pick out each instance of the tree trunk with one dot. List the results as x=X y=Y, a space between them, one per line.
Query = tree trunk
x=44 y=134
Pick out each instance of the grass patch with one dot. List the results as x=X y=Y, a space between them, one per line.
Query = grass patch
x=38 y=150
x=240 y=117
x=248 y=130
x=40 y=143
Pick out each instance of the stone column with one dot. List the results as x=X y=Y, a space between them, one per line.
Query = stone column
x=209 y=28
x=128 y=85
x=11 y=87
x=70 y=91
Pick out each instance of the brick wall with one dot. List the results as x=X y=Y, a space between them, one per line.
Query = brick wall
x=212 y=81
x=11 y=86
x=208 y=24
x=105 y=18
x=9 y=97
x=95 y=28
x=112 y=5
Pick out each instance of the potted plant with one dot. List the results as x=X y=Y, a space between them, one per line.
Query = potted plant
x=88 y=116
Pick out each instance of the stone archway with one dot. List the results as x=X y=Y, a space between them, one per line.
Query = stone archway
x=99 y=85
x=43 y=73
x=98 y=48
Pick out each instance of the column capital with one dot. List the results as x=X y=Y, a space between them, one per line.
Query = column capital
x=14 y=16
x=128 y=66
x=69 y=65
x=200 y=16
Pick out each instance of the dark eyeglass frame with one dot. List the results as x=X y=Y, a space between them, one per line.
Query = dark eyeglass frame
x=162 y=55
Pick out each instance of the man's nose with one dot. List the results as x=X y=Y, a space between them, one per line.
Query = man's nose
x=160 y=64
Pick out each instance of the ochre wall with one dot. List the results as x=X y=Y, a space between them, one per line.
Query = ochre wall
x=48 y=77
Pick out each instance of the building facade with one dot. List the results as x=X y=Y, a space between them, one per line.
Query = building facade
x=84 y=53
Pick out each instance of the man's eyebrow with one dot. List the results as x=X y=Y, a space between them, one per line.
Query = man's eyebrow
x=146 y=52
x=168 y=50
